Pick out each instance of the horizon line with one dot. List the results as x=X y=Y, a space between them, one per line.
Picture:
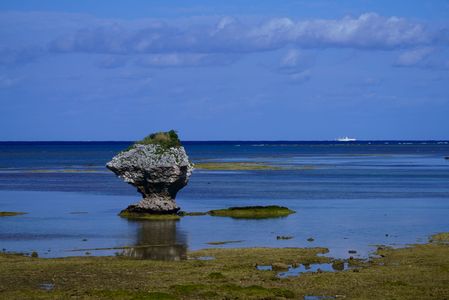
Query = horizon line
x=323 y=140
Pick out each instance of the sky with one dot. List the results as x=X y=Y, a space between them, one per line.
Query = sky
x=224 y=70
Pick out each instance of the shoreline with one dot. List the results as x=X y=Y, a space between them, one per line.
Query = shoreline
x=417 y=271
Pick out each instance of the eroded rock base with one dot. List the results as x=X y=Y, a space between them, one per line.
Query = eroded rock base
x=166 y=207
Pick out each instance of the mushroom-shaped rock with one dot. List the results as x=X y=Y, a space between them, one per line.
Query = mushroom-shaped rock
x=157 y=170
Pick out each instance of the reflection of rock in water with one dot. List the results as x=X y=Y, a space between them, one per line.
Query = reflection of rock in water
x=159 y=240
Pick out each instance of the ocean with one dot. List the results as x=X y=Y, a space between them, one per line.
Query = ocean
x=347 y=196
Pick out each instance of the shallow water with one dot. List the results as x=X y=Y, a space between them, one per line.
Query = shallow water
x=350 y=197
x=294 y=271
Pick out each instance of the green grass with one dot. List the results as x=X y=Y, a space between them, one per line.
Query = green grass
x=11 y=213
x=165 y=140
x=415 y=272
x=253 y=212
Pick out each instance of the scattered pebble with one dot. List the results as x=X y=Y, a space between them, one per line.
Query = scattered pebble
x=310 y=239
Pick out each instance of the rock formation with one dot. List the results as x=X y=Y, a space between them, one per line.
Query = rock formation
x=157 y=171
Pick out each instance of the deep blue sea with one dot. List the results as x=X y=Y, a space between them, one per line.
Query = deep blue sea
x=347 y=195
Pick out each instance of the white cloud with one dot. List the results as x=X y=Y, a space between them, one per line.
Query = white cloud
x=413 y=57
x=184 y=60
x=424 y=58
x=291 y=58
x=176 y=42
x=367 y=31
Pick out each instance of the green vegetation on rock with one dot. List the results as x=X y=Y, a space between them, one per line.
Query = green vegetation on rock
x=11 y=213
x=253 y=212
x=167 y=139
x=416 y=272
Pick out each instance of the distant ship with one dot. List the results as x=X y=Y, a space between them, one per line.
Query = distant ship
x=346 y=139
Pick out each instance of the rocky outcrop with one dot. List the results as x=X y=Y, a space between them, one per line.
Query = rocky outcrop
x=157 y=172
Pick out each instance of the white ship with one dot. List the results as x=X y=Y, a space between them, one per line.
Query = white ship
x=346 y=139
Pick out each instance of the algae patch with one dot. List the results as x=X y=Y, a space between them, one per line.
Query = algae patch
x=242 y=212
x=144 y=216
x=235 y=166
x=253 y=212
x=11 y=213
x=223 y=242
x=440 y=237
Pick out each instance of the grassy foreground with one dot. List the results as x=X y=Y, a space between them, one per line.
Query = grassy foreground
x=417 y=272
x=253 y=212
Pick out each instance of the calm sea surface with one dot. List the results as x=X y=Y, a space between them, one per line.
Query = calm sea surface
x=348 y=196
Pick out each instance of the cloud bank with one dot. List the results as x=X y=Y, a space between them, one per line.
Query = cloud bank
x=367 y=31
x=209 y=41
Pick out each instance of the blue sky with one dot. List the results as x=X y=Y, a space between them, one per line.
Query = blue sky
x=237 y=70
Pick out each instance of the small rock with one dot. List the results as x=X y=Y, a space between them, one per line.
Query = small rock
x=352 y=251
x=284 y=237
x=34 y=254
x=338 y=265
x=279 y=266
x=310 y=239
